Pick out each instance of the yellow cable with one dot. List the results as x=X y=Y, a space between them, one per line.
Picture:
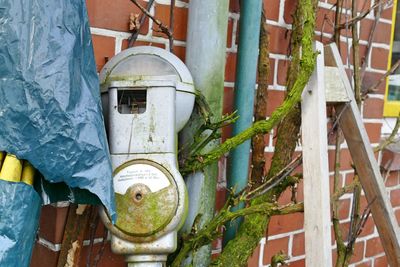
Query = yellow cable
x=28 y=173
x=11 y=169
x=2 y=156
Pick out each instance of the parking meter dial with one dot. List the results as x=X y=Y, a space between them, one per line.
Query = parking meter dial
x=146 y=198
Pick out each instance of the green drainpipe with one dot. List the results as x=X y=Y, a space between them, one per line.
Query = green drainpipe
x=246 y=71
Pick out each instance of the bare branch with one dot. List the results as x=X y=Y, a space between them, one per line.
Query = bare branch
x=358 y=18
x=161 y=26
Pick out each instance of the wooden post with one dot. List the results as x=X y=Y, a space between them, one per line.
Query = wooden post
x=75 y=229
x=367 y=168
x=317 y=223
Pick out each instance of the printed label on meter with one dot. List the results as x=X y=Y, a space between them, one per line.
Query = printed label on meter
x=139 y=173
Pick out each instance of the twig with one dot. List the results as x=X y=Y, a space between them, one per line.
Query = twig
x=355 y=220
x=369 y=43
x=258 y=142
x=279 y=258
x=276 y=179
x=161 y=26
x=335 y=202
x=391 y=138
x=358 y=18
x=383 y=78
x=356 y=57
x=338 y=14
x=171 y=26
x=135 y=34
x=211 y=230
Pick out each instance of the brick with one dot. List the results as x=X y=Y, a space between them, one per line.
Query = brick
x=279 y=40
x=180 y=52
x=229 y=33
x=285 y=197
x=113 y=14
x=52 y=222
x=275 y=99
x=362 y=53
x=366 y=26
x=272 y=9
x=397 y=214
x=234 y=6
x=227 y=109
x=387 y=12
x=344 y=208
x=344 y=228
x=42 y=256
x=290 y=7
x=373 y=108
x=230 y=67
x=369 y=227
x=180 y=21
x=381 y=262
x=379 y=59
x=298 y=245
x=253 y=260
x=345 y=159
x=392 y=179
x=367 y=263
x=382 y=33
x=286 y=223
x=273 y=247
x=395 y=197
x=216 y=244
x=324 y=19
x=390 y=160
x=358 y=252
x=300 y=189
x=361 y=4
x=268 y=158
x=220 y=198
x=374 y=247
x=104 y=49
x=107 y=257
x=373 y=131
x=125 y=44
x=299 y=263
x=370 y=80
x=283 y=66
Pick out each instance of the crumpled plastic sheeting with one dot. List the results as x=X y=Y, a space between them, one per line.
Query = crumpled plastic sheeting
x=19 y=218
x=50 y=109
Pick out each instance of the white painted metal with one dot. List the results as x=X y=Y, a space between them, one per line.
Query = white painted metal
x=315 y=169
x=148 y=96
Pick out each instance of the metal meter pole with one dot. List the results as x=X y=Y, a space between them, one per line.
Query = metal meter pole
x=205 y=58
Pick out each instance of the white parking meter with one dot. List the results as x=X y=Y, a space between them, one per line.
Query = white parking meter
x=147 y=96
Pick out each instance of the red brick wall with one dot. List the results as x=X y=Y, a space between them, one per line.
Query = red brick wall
x=109 y=22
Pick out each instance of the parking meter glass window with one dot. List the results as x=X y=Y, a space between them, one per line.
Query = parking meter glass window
x=132 y=101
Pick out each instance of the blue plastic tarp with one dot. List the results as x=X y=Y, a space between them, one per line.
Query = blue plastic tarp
x=19 y=218
x=50 y=109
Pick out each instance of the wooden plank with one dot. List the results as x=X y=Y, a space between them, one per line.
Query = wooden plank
x=75 y=229
x=317 y=223
x=360 y=149
x=334 y=86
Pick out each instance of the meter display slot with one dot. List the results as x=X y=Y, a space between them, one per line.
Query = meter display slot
x=132 y=101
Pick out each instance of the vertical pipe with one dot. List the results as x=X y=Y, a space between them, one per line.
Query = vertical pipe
x=205 y=58
x=246 y=71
